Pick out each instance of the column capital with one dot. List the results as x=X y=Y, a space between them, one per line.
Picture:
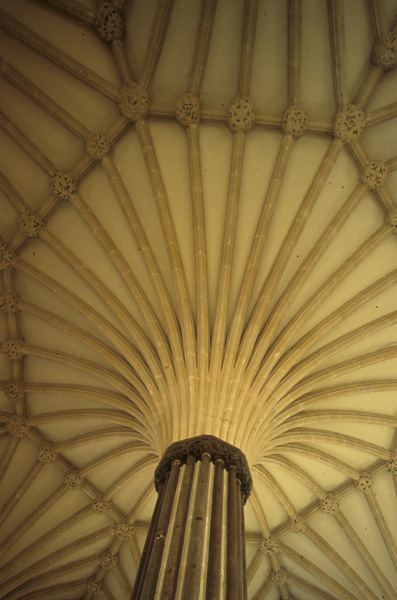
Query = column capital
x=206 y=444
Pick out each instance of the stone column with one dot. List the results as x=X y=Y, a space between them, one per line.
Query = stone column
x=195 y=548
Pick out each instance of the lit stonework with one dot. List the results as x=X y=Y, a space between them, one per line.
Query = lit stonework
x=349 y=123
x=134 y=102
x=294 y=121
x=374 y=174
x=63 y=186
x=364 y=483
x=46 y=454
x=123 y=531
x=269 y=546
x=392 y=465
x=5 y=257
x=74 y=481
x=241 y=115
x=9 y=302
x=188 y=109
x=391 y=220
x=298 y=525
x=108 y=560
x=15 y=391
x=13 y=349
x=30 y=223
x=18 y=426
x=99 y=506
x=109 y=23
x=385 y=52
x=93 y=586
x=98 y=146
x=279 y=577
x=329 y=505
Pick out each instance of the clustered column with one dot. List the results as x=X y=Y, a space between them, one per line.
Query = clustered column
x=195 y=548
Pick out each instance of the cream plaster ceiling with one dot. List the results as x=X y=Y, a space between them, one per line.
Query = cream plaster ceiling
x=233 y=275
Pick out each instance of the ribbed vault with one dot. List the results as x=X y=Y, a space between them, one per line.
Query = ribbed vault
x=198 y=219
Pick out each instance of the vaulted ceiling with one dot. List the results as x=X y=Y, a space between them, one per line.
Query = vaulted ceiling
x=198 y=216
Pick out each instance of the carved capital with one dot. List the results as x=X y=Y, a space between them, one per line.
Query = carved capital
x=73 y=481
x=364 y=483
x=391 y=220
x=374 y=174
x=98 y=146
x=385 y=52
x=17 y=426
x=298 y=525
x=99 y=506
x=329 y=505
x=63 y=186
x=216 y=448
x=188 y=109
x=6 y=257
x=109 y=23
x=9 y=302
x=269 y=546
x=279 y=577
x=93 y=586
x=349 y=123
x=241 y=115
x=294 y=121
x=13 y=349
x=134 y=101
x=30 y=223
x=108 y=560
x=47 y=454
x=123 y=531
x=391 y=465
x=15 y=391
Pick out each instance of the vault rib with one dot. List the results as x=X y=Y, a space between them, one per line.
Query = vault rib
x=380 y=115
x=39 y=44
x=257 y=248
x=292 y=355
x=139 y=336
x=382 y=525
x=98 y=370
x=156 y=38
x=36 y=569
x=144 y=384
x=305 y=586
x=154 y=271
x=203 y=40
x=321 y=293
x=340 y=562
x=365 y=554
x=294 y=51
x=186 y=373
x=293 y=469
x=320 y=574
x=72 y=9
x=20 y=491
x=300 y=449
x=277 y=490
x=302 y=273
x=22 y=140
x=245 y=374
x=34 y=93
x=216 y=393
x=378 y=18
x=338 y=49
x=294 y=407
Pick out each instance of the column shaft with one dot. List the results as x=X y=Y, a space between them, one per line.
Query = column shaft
x=195 y=548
